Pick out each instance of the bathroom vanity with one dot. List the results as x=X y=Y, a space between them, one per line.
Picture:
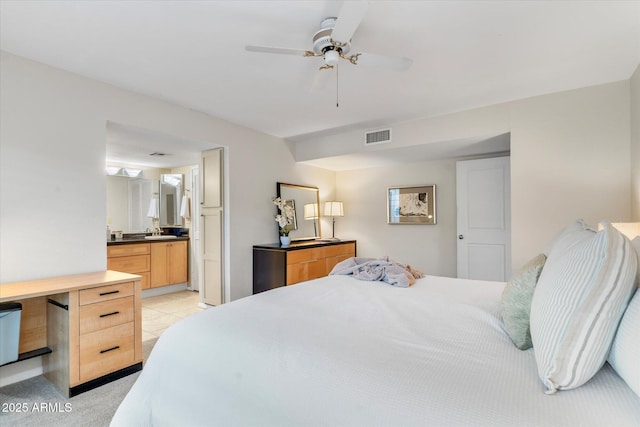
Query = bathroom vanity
x=160 y=261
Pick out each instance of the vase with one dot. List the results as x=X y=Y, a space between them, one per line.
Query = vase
x=285 y=240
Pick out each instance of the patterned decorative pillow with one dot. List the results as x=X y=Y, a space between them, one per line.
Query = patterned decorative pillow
x=577 y=305
x=516 y=301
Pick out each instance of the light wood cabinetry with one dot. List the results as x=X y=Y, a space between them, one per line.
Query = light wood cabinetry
x=132 y=258
x=107 y=329
x=92 y=326
x=275 y=266
x=168 y=263
x=159 y=263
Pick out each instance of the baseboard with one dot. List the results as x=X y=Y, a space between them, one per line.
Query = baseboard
x=90 y=385
x=154 y=292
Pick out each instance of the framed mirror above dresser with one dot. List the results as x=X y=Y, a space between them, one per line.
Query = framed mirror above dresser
x=306 y=203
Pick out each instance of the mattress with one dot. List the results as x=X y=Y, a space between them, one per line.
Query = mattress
x=341 y=352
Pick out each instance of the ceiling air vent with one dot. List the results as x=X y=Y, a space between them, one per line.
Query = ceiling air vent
x=377 y=137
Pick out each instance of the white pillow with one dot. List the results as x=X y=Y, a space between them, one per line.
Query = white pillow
x=625 y=351
x=577 y=305
x=568 y=236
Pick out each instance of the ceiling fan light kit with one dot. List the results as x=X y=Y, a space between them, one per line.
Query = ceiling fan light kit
x=333 y=41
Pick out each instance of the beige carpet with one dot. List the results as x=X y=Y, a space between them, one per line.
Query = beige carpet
x=46 y=406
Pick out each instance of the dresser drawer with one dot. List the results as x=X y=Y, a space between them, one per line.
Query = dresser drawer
x=105 y=293
x=130 y=264
x=303 y=255
x=105 y=351
x=126 y=250
x=103 y=315
x=305 y=271
x=336 y=250
x=331 y=262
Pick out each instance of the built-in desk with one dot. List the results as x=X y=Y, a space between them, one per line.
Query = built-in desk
x=88 y=325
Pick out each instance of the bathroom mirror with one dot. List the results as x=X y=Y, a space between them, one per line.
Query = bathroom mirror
x=306 y=203
x=128 y=202
x=171 y=187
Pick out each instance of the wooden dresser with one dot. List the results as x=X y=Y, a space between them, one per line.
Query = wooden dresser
x=88 y=327
x=275 y=266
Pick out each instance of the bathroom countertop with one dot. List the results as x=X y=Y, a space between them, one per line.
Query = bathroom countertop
x=130 y=240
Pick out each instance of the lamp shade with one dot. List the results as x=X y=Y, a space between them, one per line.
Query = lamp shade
x=333 y=209
x=629 y=229
x=311 y=211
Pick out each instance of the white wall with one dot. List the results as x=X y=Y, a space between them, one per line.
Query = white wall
x=430 y=248
x=635 y=145
x=569 y=159
x=52 y=181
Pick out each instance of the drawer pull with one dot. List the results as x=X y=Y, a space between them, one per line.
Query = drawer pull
x=109 y=314
x=108 y=293
x=56 y=303
x=109 y=349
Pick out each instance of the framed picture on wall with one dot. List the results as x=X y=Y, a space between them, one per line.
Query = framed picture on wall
x=292 y=203
x=411 y=205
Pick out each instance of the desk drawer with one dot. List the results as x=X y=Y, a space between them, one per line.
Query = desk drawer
x=105 y=351
x=105 y=293
x=130 y=264
x=103 y=315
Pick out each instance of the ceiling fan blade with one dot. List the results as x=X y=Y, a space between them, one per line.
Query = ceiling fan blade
x=280 y=50
x=348 y=20
x=320 y=80
x=384 y=61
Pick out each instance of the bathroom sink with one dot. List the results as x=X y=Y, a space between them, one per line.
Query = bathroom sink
x=160 y=237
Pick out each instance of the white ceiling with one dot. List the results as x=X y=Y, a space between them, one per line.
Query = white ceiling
x=128 y=145
x=465 y=54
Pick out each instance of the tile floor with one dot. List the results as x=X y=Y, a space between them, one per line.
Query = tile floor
x=162 y=311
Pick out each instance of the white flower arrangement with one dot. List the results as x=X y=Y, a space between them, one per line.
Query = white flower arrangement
x=285 y=217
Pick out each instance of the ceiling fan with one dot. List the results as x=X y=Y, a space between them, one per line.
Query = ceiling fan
x=332 y=42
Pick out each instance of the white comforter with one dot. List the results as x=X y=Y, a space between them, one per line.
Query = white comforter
x=341 y=352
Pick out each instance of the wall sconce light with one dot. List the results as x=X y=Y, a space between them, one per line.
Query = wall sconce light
x=127 y=172
x=333 y=209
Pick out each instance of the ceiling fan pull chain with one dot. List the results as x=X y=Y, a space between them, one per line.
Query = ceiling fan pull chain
x=337 y=74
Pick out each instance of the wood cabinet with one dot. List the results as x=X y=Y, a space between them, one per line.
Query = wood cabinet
x=160 y=263
x=92 y=327
x=168 y=263
x=275 y=266
x=107 y=330
x=131 y=258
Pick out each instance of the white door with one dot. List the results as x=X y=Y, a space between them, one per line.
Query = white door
x=196 y=260
x=484 y=218
x=211 y=226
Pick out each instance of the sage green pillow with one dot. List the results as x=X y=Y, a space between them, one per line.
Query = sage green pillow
x=516 y=301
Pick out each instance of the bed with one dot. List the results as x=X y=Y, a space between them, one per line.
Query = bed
x=337 y=351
